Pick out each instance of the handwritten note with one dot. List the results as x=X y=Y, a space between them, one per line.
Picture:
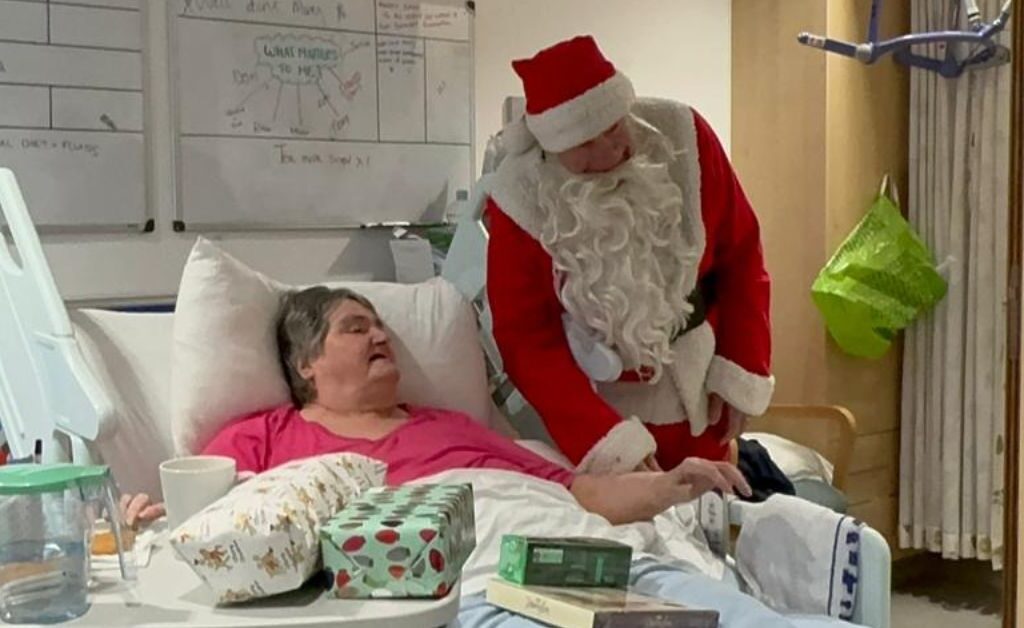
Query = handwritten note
x=293 y=156
x=424 y=19
x=394 y=54
x=355 y=14
x=50 y=144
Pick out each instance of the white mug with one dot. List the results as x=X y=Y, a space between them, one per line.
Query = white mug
x=192 y=483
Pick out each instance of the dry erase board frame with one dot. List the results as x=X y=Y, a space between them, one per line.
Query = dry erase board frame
x=70 y=106
x=198 y=219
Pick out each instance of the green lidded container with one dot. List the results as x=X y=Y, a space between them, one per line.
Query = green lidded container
x=46 y=520
x=28 y=479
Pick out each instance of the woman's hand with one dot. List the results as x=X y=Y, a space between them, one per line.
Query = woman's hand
x=138 y=509
x=640 y=496
x=696 y=476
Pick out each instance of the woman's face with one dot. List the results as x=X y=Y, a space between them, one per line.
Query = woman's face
x=356 y=355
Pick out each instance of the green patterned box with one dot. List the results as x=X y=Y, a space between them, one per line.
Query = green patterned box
x=408 y=541
x=564 y=562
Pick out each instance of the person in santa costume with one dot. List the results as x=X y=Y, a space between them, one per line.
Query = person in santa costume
x=625 y=272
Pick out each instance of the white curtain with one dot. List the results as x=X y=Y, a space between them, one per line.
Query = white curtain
x=952 y=432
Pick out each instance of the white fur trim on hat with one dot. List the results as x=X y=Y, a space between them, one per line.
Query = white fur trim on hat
x=747 y=392
x=583 y=118
x=622 y=449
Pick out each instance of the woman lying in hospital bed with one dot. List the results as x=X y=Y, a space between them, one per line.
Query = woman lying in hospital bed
x=344 y=381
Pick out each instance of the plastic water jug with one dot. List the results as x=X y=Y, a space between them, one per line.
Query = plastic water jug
x=47 y=513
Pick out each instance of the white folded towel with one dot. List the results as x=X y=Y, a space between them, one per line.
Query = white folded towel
x=799 y=557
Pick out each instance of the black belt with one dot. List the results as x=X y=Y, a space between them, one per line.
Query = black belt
x=696 y=317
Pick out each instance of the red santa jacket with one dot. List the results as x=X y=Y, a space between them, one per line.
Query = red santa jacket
x=527 y=312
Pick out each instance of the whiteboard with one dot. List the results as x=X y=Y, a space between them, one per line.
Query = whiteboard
x=320 y=113
x=71 y=111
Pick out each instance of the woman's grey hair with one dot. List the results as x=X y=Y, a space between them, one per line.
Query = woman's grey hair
x=302 y=326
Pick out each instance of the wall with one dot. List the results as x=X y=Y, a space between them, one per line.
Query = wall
x=779 y=153
x=668 y=48
x=811 y=143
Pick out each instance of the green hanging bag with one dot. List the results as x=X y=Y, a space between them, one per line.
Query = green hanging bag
x=880 y=280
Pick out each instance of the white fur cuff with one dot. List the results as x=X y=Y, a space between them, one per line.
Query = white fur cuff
x=694 y=352
x=747 y=392
x=621 y=450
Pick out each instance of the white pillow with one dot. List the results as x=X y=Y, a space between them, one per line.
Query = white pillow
x=796 y=461
x=225 y=361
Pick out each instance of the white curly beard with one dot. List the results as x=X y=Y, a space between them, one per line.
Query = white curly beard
x=617 y=246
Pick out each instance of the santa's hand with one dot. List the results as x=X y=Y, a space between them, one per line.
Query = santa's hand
x=715 y=406
x=737 y=424
x=650 y=463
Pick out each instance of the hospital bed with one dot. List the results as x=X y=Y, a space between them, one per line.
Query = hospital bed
x=93 y=385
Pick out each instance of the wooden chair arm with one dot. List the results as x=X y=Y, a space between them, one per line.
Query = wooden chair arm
x=829 y=430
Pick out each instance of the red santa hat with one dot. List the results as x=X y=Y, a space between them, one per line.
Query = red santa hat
x=573 y=93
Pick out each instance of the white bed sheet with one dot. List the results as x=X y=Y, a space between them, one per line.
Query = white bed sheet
x=512 y=503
